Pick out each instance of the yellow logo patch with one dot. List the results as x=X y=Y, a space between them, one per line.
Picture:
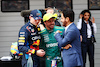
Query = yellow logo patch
x=21 y=41
x=21 y=38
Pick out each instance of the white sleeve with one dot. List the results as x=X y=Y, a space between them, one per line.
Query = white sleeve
x=79 y=24
x=95 y=27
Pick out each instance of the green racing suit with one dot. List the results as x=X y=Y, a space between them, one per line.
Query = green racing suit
x=50 y=45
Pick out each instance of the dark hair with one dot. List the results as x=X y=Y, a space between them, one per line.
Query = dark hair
x=43 y=12
x=84 y=11
x=68 y=13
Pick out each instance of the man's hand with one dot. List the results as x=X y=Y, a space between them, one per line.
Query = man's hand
x=40 y=52
x=81 y=38
x=58 y=31
x=67 y=46
x=41 y=26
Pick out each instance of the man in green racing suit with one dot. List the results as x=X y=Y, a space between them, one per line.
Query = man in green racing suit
x=49 y=43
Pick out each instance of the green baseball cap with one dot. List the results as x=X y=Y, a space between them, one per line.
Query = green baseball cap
x=48 y=16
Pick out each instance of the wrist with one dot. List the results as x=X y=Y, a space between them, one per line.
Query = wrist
x=62 y=47
x=39 y=24
x=56 y=32
x=35 y=52
x=31 y=51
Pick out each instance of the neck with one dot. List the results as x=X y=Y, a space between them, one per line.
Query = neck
x=48 y=28
x=32 y=23
x=68 y=23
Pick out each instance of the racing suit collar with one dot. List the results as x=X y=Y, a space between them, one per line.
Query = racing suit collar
x=50 y=30
x=31 y=24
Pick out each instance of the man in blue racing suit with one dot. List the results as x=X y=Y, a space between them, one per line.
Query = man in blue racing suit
x=29 y=39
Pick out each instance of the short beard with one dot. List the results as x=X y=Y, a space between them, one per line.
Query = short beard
x=64 y=24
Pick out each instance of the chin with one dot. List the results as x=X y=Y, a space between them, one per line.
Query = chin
x=51 y=27
x=64 y=25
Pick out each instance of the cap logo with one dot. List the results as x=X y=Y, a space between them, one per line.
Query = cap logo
x=31 y=15
x=38 y=14
x=36 y=18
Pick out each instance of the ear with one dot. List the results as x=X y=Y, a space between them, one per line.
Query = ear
x=45 y=23
x=67 y=19
x=29 y=17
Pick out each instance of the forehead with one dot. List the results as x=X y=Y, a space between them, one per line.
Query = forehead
x=51 y=19
x=86 y=13
x=62 y=15
x=50 y=10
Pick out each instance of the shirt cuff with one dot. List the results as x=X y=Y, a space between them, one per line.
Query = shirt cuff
x=56 y=32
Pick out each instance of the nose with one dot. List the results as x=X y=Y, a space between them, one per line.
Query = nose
x=38 y=20
x=52 y=22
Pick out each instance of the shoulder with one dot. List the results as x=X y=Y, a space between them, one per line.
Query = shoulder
x=25 y=27
x=73 y=27
x=43 y=31
x=59 y=28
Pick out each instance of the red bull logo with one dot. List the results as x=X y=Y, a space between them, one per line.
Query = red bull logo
x=36 y=43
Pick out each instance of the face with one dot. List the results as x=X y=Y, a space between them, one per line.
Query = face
x=50 y=11
x=50 y=24
x=86 y=16
x=63 y=20
x=34 y=22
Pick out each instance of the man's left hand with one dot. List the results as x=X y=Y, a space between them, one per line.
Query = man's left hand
x=58 y=31
x=67 y=46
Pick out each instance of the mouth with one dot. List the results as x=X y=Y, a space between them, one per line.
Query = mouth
x=37 y=23
x=52 y=25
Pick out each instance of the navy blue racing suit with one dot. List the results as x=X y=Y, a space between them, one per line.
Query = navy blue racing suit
x=29 y=38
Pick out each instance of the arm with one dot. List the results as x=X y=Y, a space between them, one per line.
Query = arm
x=41 y=26
x=68 y=38
x=67 y=46
x=79 y=23
x=42 y=44
x=22 y=40
x=94 y=24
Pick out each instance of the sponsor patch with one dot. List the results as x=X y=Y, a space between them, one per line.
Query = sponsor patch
x=32 y=30
x=22 y=35
x=29 y=27
x=21 y=41
x=38 y=29
x=33 y=33
x=36 y=37
x=21 y=38
x=51 y=45
x=22 y=32
x=36 y=42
